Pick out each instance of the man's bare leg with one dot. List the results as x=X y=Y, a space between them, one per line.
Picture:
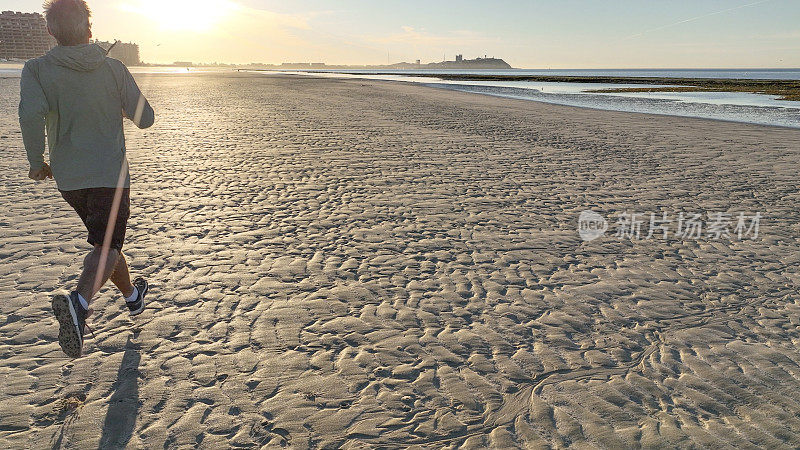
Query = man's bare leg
x=88 y=279
x=122 y=277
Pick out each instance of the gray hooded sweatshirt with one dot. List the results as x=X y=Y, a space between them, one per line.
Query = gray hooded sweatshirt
x=79 y=96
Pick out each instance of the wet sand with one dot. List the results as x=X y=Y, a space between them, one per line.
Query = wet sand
x=369 y=264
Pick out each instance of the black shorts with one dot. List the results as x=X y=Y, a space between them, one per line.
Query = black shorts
x=94 y=207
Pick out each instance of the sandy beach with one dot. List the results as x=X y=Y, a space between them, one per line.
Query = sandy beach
x=363 y=264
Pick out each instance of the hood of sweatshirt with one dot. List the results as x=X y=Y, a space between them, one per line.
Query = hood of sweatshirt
x=82 y=58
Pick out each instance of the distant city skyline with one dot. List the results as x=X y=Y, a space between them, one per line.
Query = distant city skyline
x=526 y=34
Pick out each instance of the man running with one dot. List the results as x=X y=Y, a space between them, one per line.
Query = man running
x=80 y=97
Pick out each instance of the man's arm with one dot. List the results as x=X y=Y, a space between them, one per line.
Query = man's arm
x=134 y=105
x=33 y=108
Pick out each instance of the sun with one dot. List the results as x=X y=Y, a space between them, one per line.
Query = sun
x=184 y=15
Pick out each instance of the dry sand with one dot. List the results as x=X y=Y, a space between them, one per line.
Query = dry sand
x=371 y=264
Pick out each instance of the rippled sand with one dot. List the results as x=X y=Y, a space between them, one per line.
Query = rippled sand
x=366 y=264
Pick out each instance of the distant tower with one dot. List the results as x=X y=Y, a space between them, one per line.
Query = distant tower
x=459 y=58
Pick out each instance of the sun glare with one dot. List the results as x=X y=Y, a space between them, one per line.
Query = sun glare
x=185 y=15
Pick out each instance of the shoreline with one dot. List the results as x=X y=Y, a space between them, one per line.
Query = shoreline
x=508 y=97
x=784 y=89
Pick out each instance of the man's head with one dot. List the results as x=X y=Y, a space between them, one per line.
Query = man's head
x=68 y=21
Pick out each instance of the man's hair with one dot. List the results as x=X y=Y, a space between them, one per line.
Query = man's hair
x=68 y=20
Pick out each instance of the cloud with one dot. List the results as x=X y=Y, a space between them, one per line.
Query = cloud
x=695 y=18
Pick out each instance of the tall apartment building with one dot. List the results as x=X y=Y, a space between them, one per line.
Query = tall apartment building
x=23 y=35
x=127 y=52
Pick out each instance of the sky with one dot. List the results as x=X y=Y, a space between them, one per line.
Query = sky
x=536 y=34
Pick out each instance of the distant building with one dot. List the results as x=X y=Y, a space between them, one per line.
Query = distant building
x=460 y=63
x=128 y=52
x=183 y=64
x=484 y=63
x=23 y=35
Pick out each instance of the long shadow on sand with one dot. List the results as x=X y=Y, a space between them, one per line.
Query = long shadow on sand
x=124 y=402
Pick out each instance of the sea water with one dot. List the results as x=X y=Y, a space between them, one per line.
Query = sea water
x=730 y=106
